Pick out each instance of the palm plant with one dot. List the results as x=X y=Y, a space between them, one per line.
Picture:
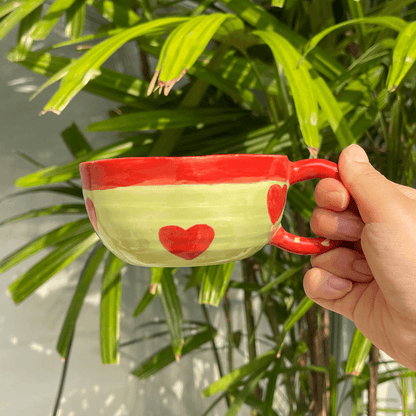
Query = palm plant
x=299 y=78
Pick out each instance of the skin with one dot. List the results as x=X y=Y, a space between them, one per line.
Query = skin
x=377 y=219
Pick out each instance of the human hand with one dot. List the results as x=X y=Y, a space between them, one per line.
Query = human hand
x=379 y=270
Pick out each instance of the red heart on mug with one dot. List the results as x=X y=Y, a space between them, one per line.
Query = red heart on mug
x=91 y=213
x=187 y=244
x=276 y=201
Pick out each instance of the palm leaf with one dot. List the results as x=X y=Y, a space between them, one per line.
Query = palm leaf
x=70 y=170
x=259 y=18
x=63 y=190
x=281 y=278
x=50 y=18
x=233 y=32
x=54 y=210
x=52 y=238
x=75 y=19
x=404 y=55
x=25 y=35
x=110 y=84
x=356 y=11
x=87 y=38
x=214 y=283
x=300 y=83
x=390 y=7
x=116 y=12
x=332 y=112
x=358 y=90
x=333 y=384
x=86 y=277
x=165 y=356
x=157 y=275
x=241 y=397
x=304 y=305
x=8 y=6
x=13 y=18
x=166 y=119
x=230 y=87
x=391 y=22
x=173 y=311
x=359 y=350
x=110 y=310
x=233 y=79
x=184 y=45
x=271 y=388
x=231 y=379
x=65 y=254
x=144 y=302
x=76 y=142
x=87 y=67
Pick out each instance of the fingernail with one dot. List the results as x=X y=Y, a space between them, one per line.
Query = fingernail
x=335 y=197
x=338 y=283
x=358 y=154
x=361 y=266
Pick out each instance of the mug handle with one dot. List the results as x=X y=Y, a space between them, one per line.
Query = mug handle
x=299 y=171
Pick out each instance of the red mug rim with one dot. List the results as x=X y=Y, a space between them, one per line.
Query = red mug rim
x=175 y=170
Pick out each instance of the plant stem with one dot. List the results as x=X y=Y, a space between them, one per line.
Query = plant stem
x=249 y=277
x=303 y=360
x=214 y=347
x=413 y=378
x=145 y=65
x=287 y=109
x=356 y=397
x=147 y=16
x=63 y=377
x=325 y=347
x=317 y=341
x=373 y=382
x=314 y=339
x=318 y=379
x=271 y=102
x=229 y=329
x=271 y=313
x=202 y=7
x=267 y=301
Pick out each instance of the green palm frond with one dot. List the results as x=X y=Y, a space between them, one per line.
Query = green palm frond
x=66 y=253
x=110 y=310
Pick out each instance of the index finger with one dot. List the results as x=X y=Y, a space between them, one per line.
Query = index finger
x=332 y=194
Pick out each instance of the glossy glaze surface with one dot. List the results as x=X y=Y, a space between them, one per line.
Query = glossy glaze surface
x=215 y=169
x=213 y=223
x=194 y=211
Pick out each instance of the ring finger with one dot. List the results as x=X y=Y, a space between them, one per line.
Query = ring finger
x=345 y=263
x=346 y=225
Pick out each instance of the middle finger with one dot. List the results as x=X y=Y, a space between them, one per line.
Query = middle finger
x=344 y=225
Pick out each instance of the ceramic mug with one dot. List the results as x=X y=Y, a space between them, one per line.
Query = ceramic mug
x=197 y=210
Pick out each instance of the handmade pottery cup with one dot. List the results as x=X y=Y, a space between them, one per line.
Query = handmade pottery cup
x=197 y=210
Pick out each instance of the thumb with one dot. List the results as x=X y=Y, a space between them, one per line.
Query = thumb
x=377 y=198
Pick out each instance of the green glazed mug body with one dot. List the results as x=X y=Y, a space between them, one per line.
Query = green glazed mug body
x=196 y=211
